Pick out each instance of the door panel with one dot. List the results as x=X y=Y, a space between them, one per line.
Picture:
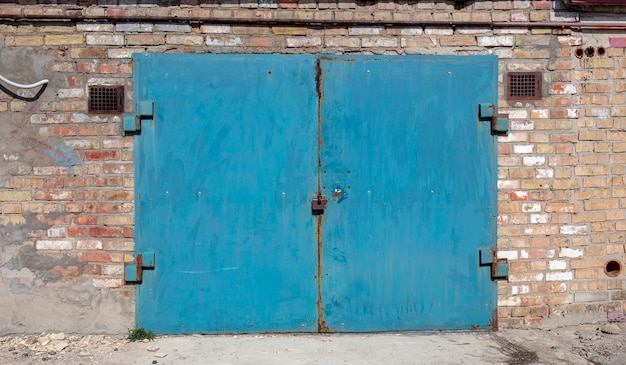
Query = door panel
x=240 y=145
x=224 y=175
x=412 y=174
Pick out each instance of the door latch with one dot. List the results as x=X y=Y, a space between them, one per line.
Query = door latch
x=317 y=205
x=499 y=122
x=133 y=271
x=499 y=267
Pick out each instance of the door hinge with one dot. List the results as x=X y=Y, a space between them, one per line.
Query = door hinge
x=133 y=270
x=499 y=267
x=144 y=111
x=499 y=122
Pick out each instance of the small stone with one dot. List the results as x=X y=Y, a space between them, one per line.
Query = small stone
x=154 y=361
x=587 y=335
x=160 y=355
x=52 y=352
x=153 y=348
x=20 y=346
x=610 y=329
x=145 y=340
x=61 y=346
x=84 y=353
x=57 y=336
x=12 y=348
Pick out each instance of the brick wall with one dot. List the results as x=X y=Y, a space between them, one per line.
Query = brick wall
x=66 y=188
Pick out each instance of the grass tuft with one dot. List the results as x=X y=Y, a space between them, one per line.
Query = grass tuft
x=140 y=334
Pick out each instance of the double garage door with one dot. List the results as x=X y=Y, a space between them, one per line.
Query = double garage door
x=303 y=193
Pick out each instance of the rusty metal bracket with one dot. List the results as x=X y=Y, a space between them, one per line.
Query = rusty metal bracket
x=133 y=271
x=145 y=111
x=499 y=267
x=499 y=122
x=318 y=205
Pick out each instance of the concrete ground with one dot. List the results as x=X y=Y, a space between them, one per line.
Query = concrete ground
x=579 y=344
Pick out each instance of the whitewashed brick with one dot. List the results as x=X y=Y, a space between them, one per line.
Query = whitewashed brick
x=89 y=245
x=526 y=148
x=514 y=278
x=516 y=113
x=539 y=218
x=215 y=29
x=113 y=270
x=531 y=207
x=296 y=42
x=104 y=39
x=365 y=30
x=570 y=40
x=95 y=27
x=573 y=113
x=107 y=283
x=557 y=265
x=574 y=230
x=509 y=301
x=412 y=31
x=564 y=89
x=508 y=184
x=571 y=252
x=70 y=93
x=520 y=289
x=438 y=31
x=122 y=52
x=224 y=41
x=379 y=42
x=513 y=137
x=544 y=173
x=342 y=42
x=496 y=41
x=534 y=161
x=49 y=119
x=541 y=113
x=522 y=125
x=509 y=255
x=54 y=245
x=559 y=276
x=56 y=232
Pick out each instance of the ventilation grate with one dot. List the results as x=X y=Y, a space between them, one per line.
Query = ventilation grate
x=524 y=86
x=106 y=99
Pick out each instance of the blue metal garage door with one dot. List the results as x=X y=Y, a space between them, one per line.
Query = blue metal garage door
x=304 y=193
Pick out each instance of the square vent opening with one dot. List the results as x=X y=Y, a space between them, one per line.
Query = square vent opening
x=523 y=86
x=106 y=99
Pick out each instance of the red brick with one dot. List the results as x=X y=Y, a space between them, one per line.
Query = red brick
x=105 y=231
x=77 y=231
x=617 y=42
x=101 y=155
x=85 y=219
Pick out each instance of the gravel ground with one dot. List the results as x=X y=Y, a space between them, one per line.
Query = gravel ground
x=598 y=344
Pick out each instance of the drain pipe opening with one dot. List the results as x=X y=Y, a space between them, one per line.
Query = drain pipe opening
x=612 y=268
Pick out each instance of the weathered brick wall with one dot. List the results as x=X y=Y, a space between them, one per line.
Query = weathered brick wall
x=66 y=183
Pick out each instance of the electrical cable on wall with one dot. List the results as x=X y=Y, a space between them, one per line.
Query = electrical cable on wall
x=43 y=83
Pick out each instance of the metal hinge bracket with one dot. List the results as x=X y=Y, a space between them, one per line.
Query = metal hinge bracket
x=133 y=270
x=499 y=122
x=499 y=267
x=145 y=111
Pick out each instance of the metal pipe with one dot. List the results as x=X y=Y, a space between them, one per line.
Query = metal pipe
x=310 y=22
